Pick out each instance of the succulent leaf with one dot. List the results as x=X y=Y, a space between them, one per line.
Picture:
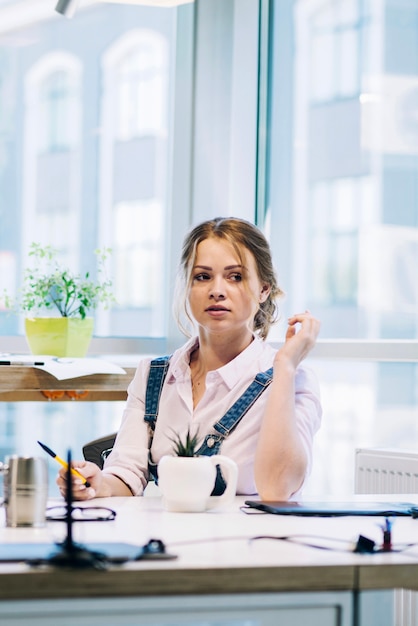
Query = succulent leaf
x=185 y=446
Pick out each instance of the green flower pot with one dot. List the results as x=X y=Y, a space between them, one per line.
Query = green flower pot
x=59 y=336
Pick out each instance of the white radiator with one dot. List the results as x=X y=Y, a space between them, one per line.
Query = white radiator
x=386 y=471
x=379 y=470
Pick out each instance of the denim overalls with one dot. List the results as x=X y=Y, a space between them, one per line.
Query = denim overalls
x=227 y=423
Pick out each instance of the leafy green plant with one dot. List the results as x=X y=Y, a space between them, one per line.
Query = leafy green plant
x=186 y=446
x=48 y=286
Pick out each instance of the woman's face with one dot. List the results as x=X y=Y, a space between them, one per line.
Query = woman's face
x=224 y=294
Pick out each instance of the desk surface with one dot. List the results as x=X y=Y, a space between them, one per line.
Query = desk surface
x=217 y=553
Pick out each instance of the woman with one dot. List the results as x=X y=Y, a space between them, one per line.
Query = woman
x=228 y=294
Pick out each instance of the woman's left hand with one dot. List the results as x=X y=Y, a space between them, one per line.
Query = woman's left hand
x=301 y=335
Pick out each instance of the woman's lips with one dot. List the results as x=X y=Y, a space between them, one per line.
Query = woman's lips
x=216 y=310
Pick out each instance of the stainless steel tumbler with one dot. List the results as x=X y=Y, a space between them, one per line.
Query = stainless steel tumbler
x=25 y=490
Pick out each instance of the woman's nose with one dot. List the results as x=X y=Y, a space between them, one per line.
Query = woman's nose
x=217 y=295
x=217 y=291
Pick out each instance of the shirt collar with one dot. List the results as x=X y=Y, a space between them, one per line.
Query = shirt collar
x=231 y=373
x=247 y=361
x=181 y=361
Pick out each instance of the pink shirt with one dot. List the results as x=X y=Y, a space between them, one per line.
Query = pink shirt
x=129 y=458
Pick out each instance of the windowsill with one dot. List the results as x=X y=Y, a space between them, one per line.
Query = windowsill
x=129 y=350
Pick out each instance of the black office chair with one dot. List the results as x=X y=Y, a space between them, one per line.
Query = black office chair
x=98 y=450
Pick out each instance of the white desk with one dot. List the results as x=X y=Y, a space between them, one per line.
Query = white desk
x=220 y=576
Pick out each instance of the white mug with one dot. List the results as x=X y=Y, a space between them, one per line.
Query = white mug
x=187 y=482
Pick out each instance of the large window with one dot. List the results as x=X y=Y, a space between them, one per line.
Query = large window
x=127 y=124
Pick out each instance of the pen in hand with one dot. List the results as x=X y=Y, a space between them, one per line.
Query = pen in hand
x=64 y=463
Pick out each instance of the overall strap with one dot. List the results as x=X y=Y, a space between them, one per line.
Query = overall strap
x=157 y=373
x=234 y=415
x=156 y=377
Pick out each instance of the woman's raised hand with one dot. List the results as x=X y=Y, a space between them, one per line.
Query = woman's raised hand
x=301 y=335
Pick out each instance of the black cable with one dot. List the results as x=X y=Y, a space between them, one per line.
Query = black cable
x=296 y=539
x=362 y=546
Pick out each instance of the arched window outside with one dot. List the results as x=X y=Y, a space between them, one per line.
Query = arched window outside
x=51 y=202
x=141 y=87
x=134 y=204
x=57 y=104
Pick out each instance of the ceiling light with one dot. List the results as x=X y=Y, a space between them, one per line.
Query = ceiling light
x=152 y=3
x=67 y=7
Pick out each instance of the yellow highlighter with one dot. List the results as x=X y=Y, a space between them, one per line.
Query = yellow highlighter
x=64 y=463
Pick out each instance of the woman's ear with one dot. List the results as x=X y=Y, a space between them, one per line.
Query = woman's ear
x=265 y=292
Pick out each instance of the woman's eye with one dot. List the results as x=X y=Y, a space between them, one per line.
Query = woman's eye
x=236 y=277
x=201 y=276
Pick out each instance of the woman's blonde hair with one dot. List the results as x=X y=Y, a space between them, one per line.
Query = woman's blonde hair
x=241 y=235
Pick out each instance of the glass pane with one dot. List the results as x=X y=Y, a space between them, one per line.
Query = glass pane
x=365 y=404
x=86 y=133
x=344 y=223
x=62 y=426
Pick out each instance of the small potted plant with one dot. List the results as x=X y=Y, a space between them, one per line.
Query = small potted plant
x=186 y=479
x=187 y=446
x=57 y=301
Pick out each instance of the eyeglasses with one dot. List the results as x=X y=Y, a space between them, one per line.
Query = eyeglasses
x=80 y=514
